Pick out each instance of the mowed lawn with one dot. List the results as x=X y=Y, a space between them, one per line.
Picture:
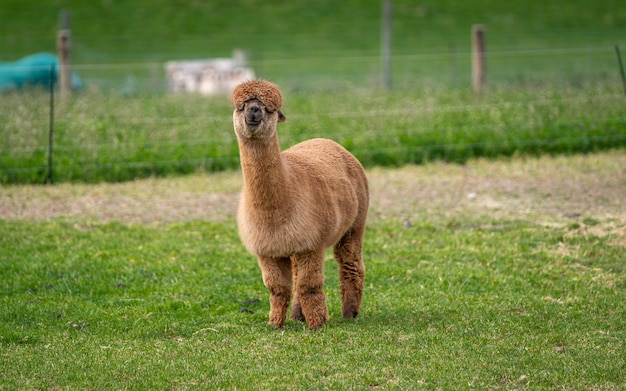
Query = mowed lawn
x=489 y=275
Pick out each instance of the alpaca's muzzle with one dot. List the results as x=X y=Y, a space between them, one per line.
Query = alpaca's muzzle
x=254 y=114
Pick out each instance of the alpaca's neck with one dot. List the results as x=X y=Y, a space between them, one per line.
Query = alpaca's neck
x=265 y=175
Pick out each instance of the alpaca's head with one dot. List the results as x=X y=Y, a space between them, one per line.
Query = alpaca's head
x=257 y=109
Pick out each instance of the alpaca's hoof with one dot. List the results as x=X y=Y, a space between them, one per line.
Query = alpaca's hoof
x=277 y=323
x=316 y=327
x=350 y=313
x=317 y=322
x=299 y=318
x=296 y=314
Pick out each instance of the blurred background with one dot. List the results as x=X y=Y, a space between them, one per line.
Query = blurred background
x=124 y=45
x=390 y=80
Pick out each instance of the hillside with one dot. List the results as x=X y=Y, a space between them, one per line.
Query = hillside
x=328 y=38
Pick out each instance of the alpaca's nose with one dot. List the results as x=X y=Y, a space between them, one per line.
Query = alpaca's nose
x=254 y=114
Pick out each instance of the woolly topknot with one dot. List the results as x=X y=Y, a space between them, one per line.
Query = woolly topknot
x=262 y=90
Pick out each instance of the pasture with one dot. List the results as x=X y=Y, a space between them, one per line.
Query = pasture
x=100 y=137
x=553 y=83
x=504 y=274
x=496 y=237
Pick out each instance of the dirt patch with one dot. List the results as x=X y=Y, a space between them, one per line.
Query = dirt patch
x=197 y=197
x=614 y=228
x=547 y=190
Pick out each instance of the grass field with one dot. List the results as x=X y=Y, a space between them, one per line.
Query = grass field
x=490 y=275
x=113 y=138
x=553 y=83
x=497 y=263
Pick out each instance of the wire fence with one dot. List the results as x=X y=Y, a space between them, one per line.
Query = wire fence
x=125 y=125
x=340 y=70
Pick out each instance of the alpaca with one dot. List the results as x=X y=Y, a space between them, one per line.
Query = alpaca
x=294 y=204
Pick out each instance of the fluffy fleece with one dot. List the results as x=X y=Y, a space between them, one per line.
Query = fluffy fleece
x=262 y=90
x=293 y=205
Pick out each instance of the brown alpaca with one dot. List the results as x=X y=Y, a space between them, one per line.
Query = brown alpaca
x=294 y=205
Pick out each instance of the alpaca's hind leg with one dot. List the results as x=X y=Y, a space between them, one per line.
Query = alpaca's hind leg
x=309 y=284
x=296 y=308
x=351 y=272
x=277 y=278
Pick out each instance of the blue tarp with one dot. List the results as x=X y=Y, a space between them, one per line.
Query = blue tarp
x=32 y=71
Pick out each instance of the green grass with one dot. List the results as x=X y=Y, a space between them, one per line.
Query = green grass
x=100 y=137
x=553 y=83
x=182 y=306
x=464 y=302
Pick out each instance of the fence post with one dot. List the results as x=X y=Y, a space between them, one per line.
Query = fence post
x=479 y=66
x=51 y=126
x=385 y=36
x=63 y=50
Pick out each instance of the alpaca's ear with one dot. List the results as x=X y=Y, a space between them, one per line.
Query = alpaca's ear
x=281 y=116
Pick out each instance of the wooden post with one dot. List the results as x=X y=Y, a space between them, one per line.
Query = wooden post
x=51 y=126
x=63 y=52
x=479 y=64
x=385 y=43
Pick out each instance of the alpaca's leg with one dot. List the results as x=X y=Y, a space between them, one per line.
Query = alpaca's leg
x=351 y=271
x=296 y=308
x=309 y=284
x=277 y=278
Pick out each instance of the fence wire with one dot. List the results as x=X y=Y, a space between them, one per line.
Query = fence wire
x=140 y=140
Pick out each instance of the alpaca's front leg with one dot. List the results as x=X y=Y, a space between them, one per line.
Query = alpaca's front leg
x=309 y=284
x=277 y=278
